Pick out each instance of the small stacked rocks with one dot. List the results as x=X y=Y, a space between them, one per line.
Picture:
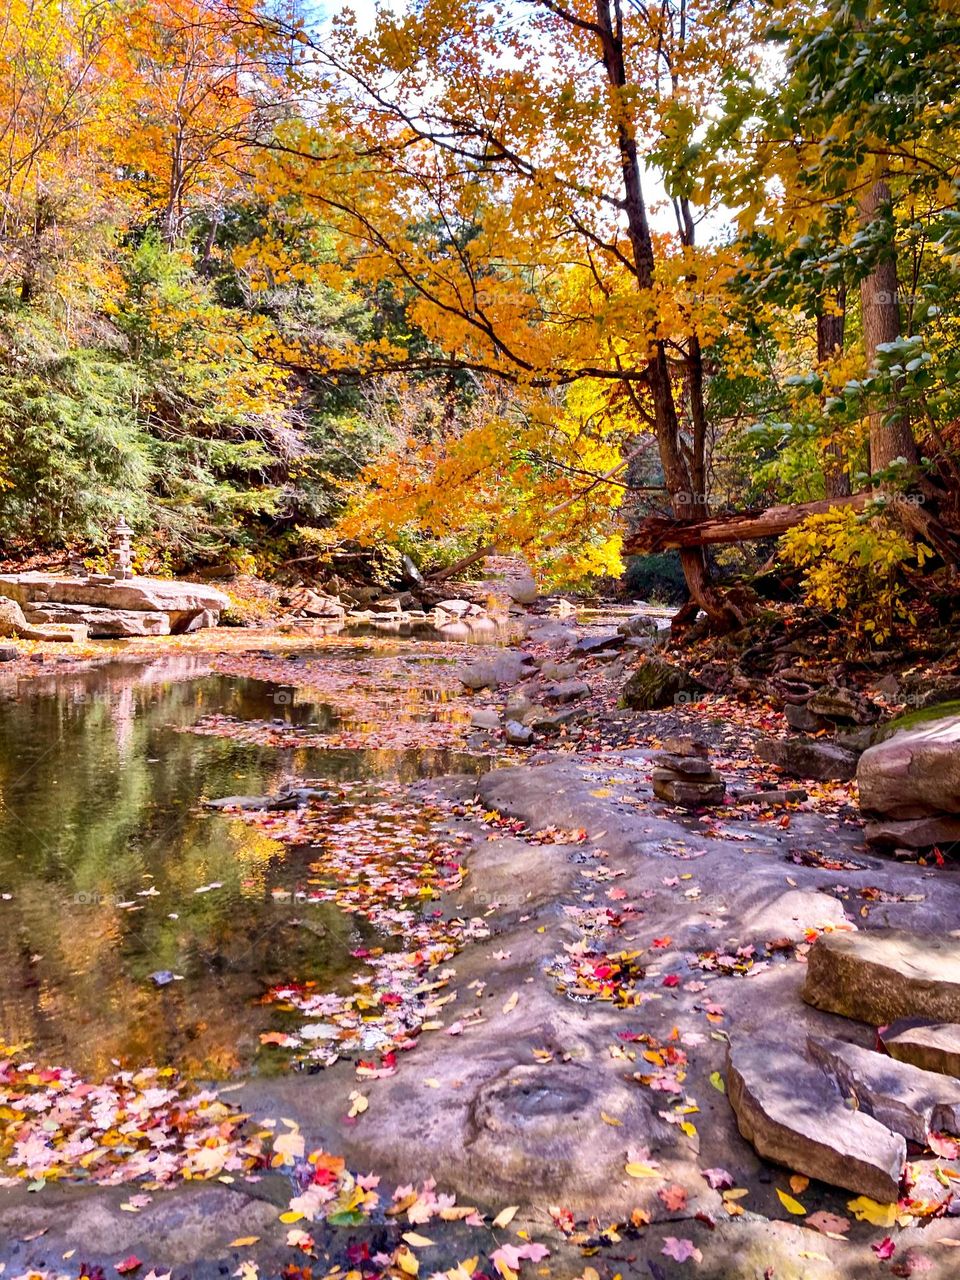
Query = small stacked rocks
x=683 y=775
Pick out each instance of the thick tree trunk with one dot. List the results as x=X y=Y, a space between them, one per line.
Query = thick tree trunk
x=677 y=476
x=891 y=436
x=661 y=534
x=830 y=327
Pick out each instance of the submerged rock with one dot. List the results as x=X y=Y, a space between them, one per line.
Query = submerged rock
x=885 y=974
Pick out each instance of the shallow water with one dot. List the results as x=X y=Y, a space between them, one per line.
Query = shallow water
x=111 y=871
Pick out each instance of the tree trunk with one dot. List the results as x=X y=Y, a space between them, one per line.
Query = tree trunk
x=676 y=474
x=830 y=327
x=891 y=436
x=659 y=534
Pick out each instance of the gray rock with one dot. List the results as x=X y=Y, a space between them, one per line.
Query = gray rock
x=517 y=734
x=906 y=1099
x=596 y=644
x=456 y=607
x=544 y=720
x=101 y=624
x=517 y=706
x=9 y=653
x=794 y=1115
x=638 y=625
x=643 y=644
x=933 y=1046
x=809 y=758
x=685 y=766
x=504 y=668
x=841 y=705
x=685 y=745
x=885 y=974
x=13 y=623
x=799 y=717
x=914 y=773
x=566 y=691
x=551 y=670
x=409 y=572
x=912 y=833
x=553 y=634
x=657 y=684
x=521 y=590
x=485 y=718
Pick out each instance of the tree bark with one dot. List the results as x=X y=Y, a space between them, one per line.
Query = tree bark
x=891 y=435
x=830 y=329
x=662 y=534
x=676 y=473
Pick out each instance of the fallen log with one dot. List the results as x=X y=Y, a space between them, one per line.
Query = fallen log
x=662 y=533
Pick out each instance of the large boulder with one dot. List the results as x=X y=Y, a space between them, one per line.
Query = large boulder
x=13 y=623
x=880 y=975
x=794 y=1114
x=915 y=771
x=655 y=684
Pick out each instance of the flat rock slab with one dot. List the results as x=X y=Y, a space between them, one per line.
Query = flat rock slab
x=101 y=624
x=905 y=1098
x=880 y=975
x=809 y=758
x=913 y=773
x=153 y=594
x=934 y=1046
x=794 y=1114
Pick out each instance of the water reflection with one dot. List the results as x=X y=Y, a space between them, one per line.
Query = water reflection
x=134 y=924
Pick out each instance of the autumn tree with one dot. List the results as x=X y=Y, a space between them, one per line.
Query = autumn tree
x=530 y=138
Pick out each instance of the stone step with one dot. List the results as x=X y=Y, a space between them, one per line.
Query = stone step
x=934 y=1046
x=905 y=1098
x=880 y=975
x=795 y=1115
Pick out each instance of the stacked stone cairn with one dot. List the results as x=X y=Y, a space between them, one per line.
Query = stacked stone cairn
x=683 y=775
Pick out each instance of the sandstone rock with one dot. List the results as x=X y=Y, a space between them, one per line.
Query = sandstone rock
x=906 y=1099
x=685 y=766
x=517 y=734
x=809 y=758
x=517 y=706
x=913 y=833
x=932 y=1046
x=793 y=1114
x=657 y=684
x=684 y=745
x=9 y=653
x=776 y=795
x=566 y=691
x=913 y=773
x=157 y=595
x=689 y=792
x=200 y=621
x=521 y=590
x=485 y=718
x=456 y=607
x=792 y=915
x=101 y=624
x=13 y=623
x=880 y=975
